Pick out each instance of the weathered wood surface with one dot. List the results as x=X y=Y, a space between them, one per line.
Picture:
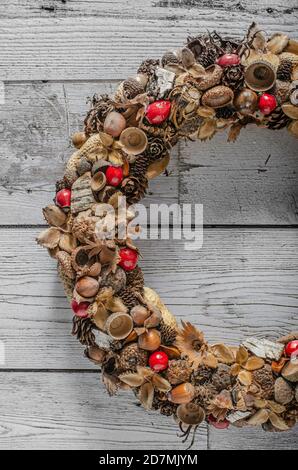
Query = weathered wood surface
x=48 y=39
x=248 y=182
x=243 y=282
x=73 y=411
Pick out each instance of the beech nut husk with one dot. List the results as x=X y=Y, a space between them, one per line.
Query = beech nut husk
x=150 y=340
x=183 y=393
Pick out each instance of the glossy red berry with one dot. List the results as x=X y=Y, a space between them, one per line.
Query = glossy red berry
x=158 y=111
x=218 y=424
x=63 y=198
x=228 y=59
x=114 y=175
x=267 y=103
x=80 y=308
x=128 y=259
x=158 y=361
x=291 y=347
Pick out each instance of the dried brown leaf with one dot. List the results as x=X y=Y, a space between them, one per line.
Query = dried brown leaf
x=210 y=360
x=260 y=417
x=223 y=353
x=235 y=369
x=277 y=422
x=276 y=407
x=242 y=355
x=254 y=363
x=146 y=395
x=234 y=132
x=111 y=383
x=245 y=377
x=132 y=379
x=161 y=384
x=49 y=238
x=259 y=403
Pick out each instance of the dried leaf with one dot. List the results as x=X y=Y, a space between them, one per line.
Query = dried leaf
x=260 y=417
x=259 y=403
x=210 y=360
x=145 y=372
x=254 y=363
x=132 y=379
x=242 y=355
x=161 y=384
x=146 y=395
x=49 y=238
x=205 y=112
x=235 y=369
x=245 y=377
x=276 y=407
x=207 y=129
x=100 y=316
x=223 y=353
x=234 y=132
x=278 y=422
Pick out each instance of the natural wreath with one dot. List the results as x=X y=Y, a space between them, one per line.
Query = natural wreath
x=209 y=85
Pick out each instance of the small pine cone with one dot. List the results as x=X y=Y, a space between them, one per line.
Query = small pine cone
x=156 y=148
x=168 y=409
x=225 y=113
x=207 y=58
x=233 y=76
x=169 y=58
x=94 y=120
x=222 y=379
x=135 y=279
x=83 y=229
x=284 y=71
x=148 y=66
x=131 y=357
x=68 y=284
x=264 y=378
x=128 y=89
x=178 y=371
x=82 y=329
x=202 y=375
x=277 y=119
x=139 y=167
x=134 y=189
x=129 y=297
x=204 y=395
x=168 y=334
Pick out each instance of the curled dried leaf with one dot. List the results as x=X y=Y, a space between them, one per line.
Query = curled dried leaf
x=278 y=422
x=111 y=383
x=245 y=377
x=161 y=384
x=235 y=369
x=205 y=112
x=241 y=355
x=223 y=353
x=146 y=395
x=254 y=363
x=132 y=379
x=260 y=417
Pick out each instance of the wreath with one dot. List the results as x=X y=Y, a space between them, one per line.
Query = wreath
x=210 y=84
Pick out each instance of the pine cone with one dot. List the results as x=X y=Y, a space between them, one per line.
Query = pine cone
x=225 y=113
x=134 y=189
x=131 y=357
x=178 y=371
x=202 y=375
x=128 y=89
x=284 y=71
x=135 y=279
x=168 y=409
x=156 y=148
x=233 y=76
x=68 y=284
x=94 y=120
x=221 y=379
x=264 y=378
x=129 y=297
x=61 y=184
x=277 y=119
x=148 y=66
x=207 y=57
x=82 y=329
x=204 y=395
x=139 y=167
x=168 y=334
x=169 y=58
x=82 y=229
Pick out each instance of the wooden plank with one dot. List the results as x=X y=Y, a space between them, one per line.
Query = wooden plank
x=251 y=181
x=35 y=127
x=251 y=439
x=94 y=39
x=237 y=183
x=73 y=411
x=243 y=282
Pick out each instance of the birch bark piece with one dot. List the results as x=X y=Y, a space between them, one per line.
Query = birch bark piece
x=81 y=194
x=264 y=348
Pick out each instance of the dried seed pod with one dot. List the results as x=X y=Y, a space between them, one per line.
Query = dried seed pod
x=190 y=414
x=49 y=238
x=98 y=181
x=54 y=215
x=139 y=314
x=150 y=340
x=114 y=124
x=79 y=258
x=293 y=128
x=260 y=75
x=119 y=325
x=133 y=140
x=67 y=242
x=217 y=97
x=210 y=78
x=277 y=43
x=78 y=139
x=183 y=393
x=87 y=287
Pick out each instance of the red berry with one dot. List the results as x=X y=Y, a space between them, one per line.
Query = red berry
x=128 y=259
x=114 y=175
x=80 y=308
x=218 y=424
x=291 y=347
x=228 y=59
x=158 y=111
x=158 y=361
x=267 y=103
x=63 y=198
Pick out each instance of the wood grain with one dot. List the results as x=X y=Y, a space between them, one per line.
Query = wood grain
x=253 y=181
x=73 y=411
x=94 y=39
x=242 y=282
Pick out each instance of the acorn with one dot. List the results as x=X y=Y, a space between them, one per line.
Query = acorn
x=87 y=287
x=183 y=393
x=246 y=101
x=150 y=340
x=114 y=124
x=139 y=314
x=78 y=139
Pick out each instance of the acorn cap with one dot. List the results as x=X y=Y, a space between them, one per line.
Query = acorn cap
x=260 y=75
x=134 y=141
x=119 y=325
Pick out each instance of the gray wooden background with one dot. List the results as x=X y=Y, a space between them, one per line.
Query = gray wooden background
x=53 y=55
